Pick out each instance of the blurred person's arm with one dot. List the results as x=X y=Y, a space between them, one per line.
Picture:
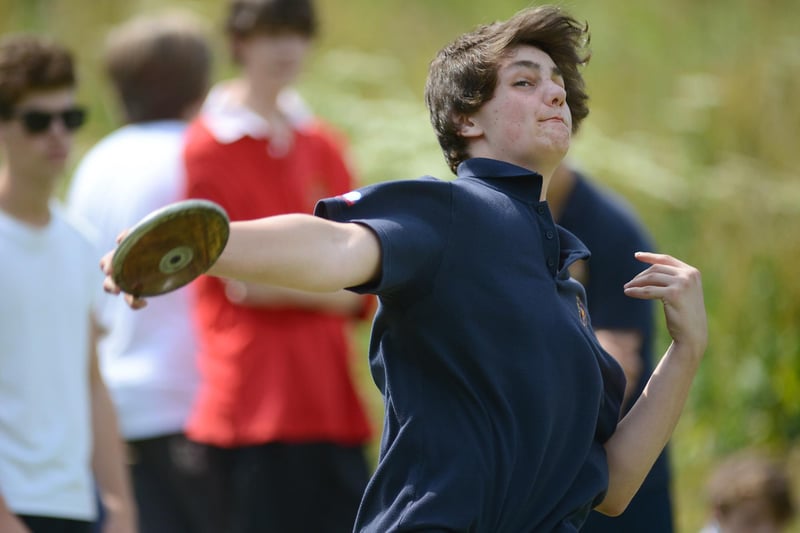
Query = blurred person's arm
x=642 y=434
x=625 y=347
x=340 y=302
x=108 y=455
x=9 y=522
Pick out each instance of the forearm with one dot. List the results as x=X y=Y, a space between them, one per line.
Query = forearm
x=108 y=457
x=300 y=252
x=339 y=302
x=644 y=432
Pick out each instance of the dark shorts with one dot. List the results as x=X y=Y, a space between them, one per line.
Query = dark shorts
x=176 y=486
x=293 y=488
x=44 y=524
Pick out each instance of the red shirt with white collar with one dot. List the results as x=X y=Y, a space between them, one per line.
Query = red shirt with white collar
x=268 y=374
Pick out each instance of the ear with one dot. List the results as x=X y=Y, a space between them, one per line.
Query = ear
x=467 y=126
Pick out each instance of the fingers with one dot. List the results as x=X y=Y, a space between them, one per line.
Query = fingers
x=109 y=286
x=659 y=259
x=679 y=286
x=122 y=235
x=134 y=302
x=666 y=279
x=106 y=265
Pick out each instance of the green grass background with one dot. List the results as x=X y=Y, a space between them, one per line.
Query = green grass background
x=694 y=119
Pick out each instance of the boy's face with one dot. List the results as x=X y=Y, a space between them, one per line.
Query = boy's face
x=273 y=60
x=749 y=516
x=37 y=142
x=527 y=122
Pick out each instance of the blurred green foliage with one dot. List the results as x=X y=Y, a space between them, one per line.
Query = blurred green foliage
x=694 y=119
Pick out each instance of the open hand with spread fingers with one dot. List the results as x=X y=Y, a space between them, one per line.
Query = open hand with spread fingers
x=679 y=287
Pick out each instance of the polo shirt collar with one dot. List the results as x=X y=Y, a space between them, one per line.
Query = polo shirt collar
x=525 y=185
x=507 y=177
x=229 y=120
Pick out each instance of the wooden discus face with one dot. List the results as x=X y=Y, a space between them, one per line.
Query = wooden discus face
x=170 y=247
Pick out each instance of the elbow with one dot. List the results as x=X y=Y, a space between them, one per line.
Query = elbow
x=613 y=505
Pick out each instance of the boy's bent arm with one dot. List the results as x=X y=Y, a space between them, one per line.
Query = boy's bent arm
x=642 y=434
x=300 y=252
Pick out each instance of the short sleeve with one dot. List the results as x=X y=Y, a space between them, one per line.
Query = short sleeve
x=411 y=219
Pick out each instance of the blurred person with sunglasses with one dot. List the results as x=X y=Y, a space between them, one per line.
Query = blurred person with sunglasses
x=58 y=429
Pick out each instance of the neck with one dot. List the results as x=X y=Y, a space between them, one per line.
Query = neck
x=262 y=100
x=561 y=184
x=545 y=187
x=27 y=204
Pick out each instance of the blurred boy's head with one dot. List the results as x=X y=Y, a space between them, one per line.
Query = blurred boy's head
x=751 y=494
x=38 y=112
x=270 y=39
x=159 y=65
x=249 y=17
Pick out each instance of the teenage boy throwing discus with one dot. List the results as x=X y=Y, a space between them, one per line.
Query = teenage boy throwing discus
x=501 y=408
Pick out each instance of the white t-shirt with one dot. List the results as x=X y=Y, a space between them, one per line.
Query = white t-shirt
x=49 y=279
x=148 y=356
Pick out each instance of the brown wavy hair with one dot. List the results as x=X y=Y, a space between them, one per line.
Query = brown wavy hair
x=463 y=75
x=31 y=63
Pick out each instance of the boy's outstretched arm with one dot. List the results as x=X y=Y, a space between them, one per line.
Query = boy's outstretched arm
x=296 y=250
x=300 y=252
x=642 y=434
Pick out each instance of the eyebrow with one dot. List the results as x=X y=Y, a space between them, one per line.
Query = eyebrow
x=533 y=65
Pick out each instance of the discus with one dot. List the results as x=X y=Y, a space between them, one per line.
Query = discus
x=170 y=247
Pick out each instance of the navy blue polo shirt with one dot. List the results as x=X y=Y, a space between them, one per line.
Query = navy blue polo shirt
x=498 y=397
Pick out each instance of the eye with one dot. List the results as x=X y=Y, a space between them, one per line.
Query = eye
x=524 y=83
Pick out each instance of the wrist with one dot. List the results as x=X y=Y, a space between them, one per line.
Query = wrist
x=691 y=351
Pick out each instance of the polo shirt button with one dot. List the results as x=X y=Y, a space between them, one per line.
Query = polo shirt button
x=549 y=234
x=551 y=262
x=540 y=210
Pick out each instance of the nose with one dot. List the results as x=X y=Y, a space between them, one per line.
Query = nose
x=57 y=126
x=557 y=95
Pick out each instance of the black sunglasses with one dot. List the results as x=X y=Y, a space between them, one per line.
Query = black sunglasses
x=36 y=121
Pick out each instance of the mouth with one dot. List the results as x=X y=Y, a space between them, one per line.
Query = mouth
x=58 y=156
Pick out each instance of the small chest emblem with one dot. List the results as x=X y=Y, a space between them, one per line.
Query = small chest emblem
x=351 y=197
x=582 y=312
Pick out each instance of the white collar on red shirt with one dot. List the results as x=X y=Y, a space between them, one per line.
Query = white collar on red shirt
x=229 y=120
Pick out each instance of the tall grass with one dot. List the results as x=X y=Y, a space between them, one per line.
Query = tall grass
x=694 y=118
